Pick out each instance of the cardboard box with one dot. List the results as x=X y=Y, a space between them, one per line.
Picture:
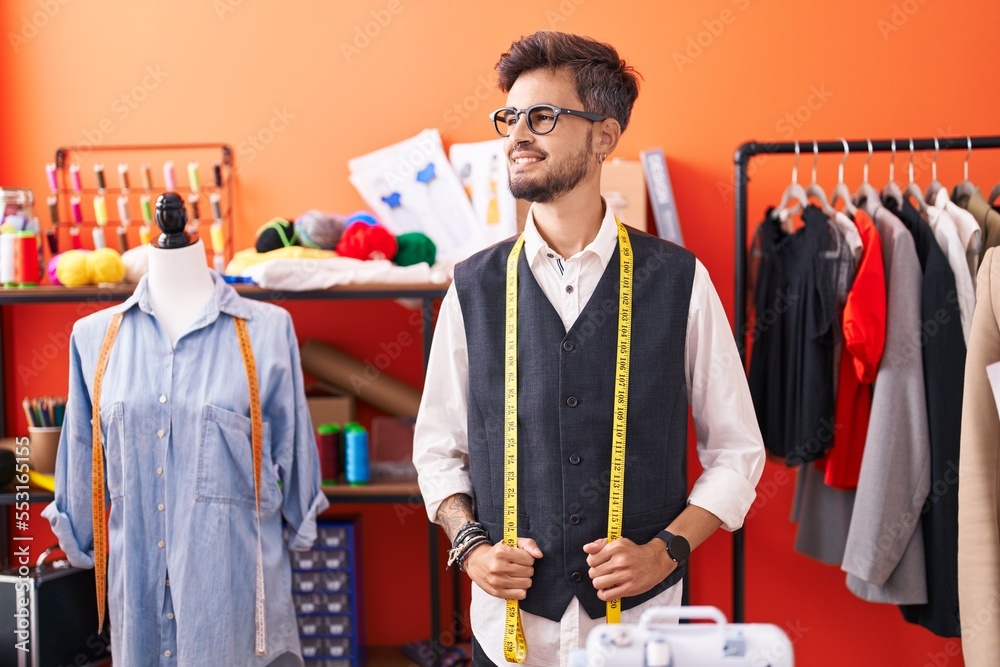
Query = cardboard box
x=327 y=405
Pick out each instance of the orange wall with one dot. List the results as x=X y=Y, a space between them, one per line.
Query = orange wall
x=716 y=73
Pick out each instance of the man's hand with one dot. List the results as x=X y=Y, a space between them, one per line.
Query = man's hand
x=622 y=568
x=502 y=571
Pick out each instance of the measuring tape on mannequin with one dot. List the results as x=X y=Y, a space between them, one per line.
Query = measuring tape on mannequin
x=514 y=646
x=97 y=479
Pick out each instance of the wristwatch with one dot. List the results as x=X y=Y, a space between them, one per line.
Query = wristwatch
x=678 y=547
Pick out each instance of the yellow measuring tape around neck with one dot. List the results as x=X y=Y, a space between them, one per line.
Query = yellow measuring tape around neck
x=514 y=645
x=97 y=479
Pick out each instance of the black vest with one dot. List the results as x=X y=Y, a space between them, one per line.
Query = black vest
x=565 y=400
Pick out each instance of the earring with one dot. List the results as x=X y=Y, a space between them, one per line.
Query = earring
x=601 y=157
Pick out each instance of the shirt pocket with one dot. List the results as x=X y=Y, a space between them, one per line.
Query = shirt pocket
x=113 y=437
x=225 y=462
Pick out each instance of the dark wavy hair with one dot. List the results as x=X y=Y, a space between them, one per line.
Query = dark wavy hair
x=604 y=81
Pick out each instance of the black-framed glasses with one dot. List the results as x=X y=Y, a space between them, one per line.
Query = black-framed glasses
x=541 y=118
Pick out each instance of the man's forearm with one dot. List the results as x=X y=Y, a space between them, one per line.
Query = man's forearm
x=454 y=512
x=695 y=524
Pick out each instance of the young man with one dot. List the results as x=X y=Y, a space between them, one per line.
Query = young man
x=570 y=376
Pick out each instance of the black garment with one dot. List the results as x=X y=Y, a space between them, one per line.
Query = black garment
x=943 y=352
x=479 y=657
x=795 y=323
x=565 y=408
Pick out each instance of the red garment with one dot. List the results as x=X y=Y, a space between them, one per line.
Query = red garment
x=864 y=341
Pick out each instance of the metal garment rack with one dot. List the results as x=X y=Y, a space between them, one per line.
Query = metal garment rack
x=744 y=153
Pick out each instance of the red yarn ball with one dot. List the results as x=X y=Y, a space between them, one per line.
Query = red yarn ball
x=363 y=241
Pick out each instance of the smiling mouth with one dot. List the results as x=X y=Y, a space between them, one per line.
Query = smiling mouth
x=522 y=160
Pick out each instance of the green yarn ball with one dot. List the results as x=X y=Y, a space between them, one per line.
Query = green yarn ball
x=415 y=247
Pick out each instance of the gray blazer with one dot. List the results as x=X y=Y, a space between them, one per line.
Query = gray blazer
x=884 y=556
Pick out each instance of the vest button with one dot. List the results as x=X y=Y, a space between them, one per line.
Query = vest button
x=574 y=459
x=568 y=345
x=571 y=401
x=574 y=519
x=576 y=577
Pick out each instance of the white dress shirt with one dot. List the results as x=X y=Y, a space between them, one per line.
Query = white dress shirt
x=946 y=233
x=729 y=446
x=969 y=232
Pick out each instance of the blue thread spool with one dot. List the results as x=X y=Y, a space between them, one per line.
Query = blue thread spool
x=356 y=441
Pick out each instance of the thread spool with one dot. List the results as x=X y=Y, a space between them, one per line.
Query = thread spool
x=216 y=205
x=147 y=208
x=27 y=271
x=100 y=210
x=77 y=208
x=74 y=177
x=217 y=169
x=358 y=472
x=74 y=238
x=168 y=176
x=98 y=236
x=54 y=209
x=50 y=175
x=327 y=441
x=147 y=177
x=122 y=239
x=99 y=172
x=193 y=176
x=218 y=240
x=123 y=176
x=7 y=244
x=144 y=235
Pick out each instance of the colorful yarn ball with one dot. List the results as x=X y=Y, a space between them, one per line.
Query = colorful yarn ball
x=319 y=230
x=277 y=233
x=414 y=248
x=72 y=269
x=362 y=216
x=51 y=270
x=105 y=266
x=364 y=241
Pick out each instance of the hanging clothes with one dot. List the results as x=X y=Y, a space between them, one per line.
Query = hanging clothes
x=946 y=234
x=979 y=479
x=793 y=335
x=943 y=353
x=967 y=227
x=823 y=513
x=864 y=340
x=987 y=217
x=884 y=557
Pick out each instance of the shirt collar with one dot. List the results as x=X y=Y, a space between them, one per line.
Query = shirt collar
x=224 y=299
x=603 y=244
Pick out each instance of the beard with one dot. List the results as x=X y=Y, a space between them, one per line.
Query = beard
x=558 y=180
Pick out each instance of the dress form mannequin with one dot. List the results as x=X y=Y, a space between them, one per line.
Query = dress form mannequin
x=179 y=284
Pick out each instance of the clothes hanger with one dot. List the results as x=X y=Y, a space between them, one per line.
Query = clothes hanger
x=793 y=194
x=840 y=190
x=815 y=189
x=891 y=190
x=866 y=193
x=966 y=187
x=935 y=185
x=912 y=189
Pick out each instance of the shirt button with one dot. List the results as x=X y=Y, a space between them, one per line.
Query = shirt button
x=549 y=255
x=576 y=577
x=160 y=432
x=574 y=519
x=568 y=345
x=572 y=402
x=163 y=399
x=167 y=653
x=159 y=470
x=170 y=615
x=574 y=459
x=160 y=507
x=569 y=289
x=161 y=544
x=168 y=582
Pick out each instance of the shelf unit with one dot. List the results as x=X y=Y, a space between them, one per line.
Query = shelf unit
x=403 y=491
x=209 y=157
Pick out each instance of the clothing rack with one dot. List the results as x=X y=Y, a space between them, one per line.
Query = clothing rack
x=744 y=153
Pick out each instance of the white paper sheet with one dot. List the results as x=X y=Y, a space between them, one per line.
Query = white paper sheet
x=411 y=186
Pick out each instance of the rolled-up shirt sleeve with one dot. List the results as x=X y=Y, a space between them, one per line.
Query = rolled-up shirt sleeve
x=440 y=440
x=730 y=447
x=71 y=513
x=295 y=450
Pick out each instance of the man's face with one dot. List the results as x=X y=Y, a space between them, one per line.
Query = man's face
x=542 y=168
